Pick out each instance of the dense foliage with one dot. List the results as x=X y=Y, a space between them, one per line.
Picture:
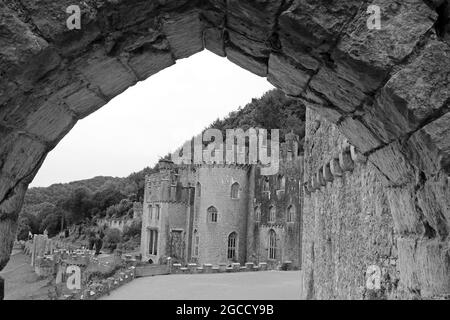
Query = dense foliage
x=274 y=110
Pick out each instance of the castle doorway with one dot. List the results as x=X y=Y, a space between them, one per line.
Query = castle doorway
x=176 y=244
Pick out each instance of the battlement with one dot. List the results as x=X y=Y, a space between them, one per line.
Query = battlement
x=341 y=162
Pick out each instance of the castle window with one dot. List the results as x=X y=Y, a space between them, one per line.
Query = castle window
x=272 y=244
x=153 y=242
x=272 y=214
x=199 y=190
x=281 y=183
x=231 y=253
x=212 y=214
x=158 y=211
x=235 y=190
x=196 y=243
x=290 y=214
x=150 y=212
x=257 y=214
x=266 y=185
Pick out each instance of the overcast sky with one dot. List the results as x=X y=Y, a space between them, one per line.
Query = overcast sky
x=151 y=119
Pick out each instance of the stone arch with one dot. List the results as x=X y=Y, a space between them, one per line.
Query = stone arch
x=367 y=82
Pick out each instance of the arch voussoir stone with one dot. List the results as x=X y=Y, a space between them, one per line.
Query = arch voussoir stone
x=387 y=90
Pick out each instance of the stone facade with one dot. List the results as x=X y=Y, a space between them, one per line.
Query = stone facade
x=180 y=201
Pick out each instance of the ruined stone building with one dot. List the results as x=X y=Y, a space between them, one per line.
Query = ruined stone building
x=224 y=213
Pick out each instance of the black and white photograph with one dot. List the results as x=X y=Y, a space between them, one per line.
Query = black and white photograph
x=253 y=154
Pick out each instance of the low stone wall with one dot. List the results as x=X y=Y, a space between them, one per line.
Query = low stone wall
x=194 y=268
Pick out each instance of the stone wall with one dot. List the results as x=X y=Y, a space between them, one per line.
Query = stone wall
x=348 y=224
x=216 y=182
x=288 y=233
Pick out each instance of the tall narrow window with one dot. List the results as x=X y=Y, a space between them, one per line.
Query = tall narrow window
x=235 y=190
x=290 y=214
x=158 y=211
x=272 y=214
x=266 y=185
x=153 y=242
x=231 y=253
x=212 y=214
x=196 y=243
x=272 y=244
x=198 y=189
x=257 y=214
x=150 y=212
x=281 y=182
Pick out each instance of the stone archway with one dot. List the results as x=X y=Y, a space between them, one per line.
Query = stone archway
x=387 y=90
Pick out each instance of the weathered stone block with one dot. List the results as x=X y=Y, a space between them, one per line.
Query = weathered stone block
x=21 y=155
x=434 y=201
x=424 y=266
x=51 y=121
x=214 y=41
x=150 y=62
x=252 y=64
x=429 y=147
x=314 y=23
x=364 y=56
x=358 y=134
x=393 y=164
x=184 y=33
x=284 y=74
x=320 y=106
x=254 y=19
x=84 y=102
x=340 y=92
x=407 y=219
x=108 y=74
x=22 y=51
x=252 y=47
x=410 y=101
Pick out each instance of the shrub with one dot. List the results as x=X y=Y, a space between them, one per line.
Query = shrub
x=112 y=238
x=133 y=230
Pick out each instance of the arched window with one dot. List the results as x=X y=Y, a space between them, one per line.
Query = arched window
x=235 y=190
x=266 y=185
x=153 y=241
x=196 y=243
x=198 y=189
x=158 y=211
x=150 y=212
x=272 y=214
x=257 y=214
x=232 y=241
x=272 y=244
x=290 y=214
x=212 y=214
x=281 y=182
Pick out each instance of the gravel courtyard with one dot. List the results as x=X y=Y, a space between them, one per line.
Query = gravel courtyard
x=283 y=285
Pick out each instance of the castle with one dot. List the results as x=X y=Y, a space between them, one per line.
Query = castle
x=224 y=213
